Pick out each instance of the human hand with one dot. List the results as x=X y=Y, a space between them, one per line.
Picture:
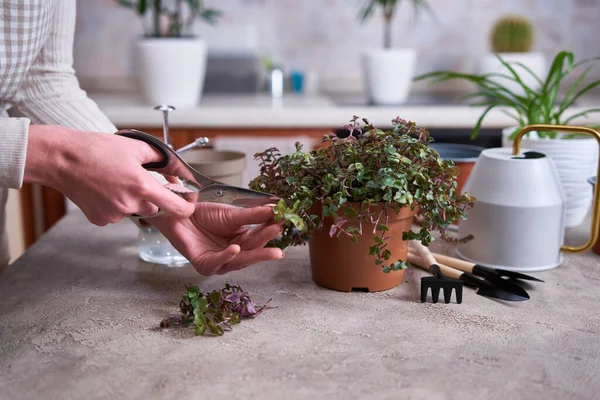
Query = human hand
x=101 y=173
x=215 y=239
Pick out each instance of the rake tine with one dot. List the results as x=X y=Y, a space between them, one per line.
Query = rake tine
x=424 y=288
x=447 y=294
x=458 y=291
x=435 y=293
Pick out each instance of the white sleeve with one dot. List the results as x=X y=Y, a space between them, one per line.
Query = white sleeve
x=13 y=149
x=50 y=93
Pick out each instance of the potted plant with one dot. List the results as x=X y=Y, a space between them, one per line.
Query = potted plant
x=388 y=71
x=355 y=198
x=512 y=38
x=172 y=61
x=574 y=156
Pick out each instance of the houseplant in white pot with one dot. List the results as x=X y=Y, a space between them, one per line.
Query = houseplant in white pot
x=575 y=157
x=171 y=60
x=512 y=38
x=388 y=71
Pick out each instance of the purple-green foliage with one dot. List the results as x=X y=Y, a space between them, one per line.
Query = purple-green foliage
x=372 y=167
x=215 y=311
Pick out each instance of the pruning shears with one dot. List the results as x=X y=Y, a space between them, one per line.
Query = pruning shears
x=195 y=187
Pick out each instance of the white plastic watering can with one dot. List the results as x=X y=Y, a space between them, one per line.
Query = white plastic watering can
x=518 y=221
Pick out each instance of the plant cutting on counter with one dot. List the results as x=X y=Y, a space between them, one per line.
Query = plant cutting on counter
x=214 y=312
x=363 y=190
x=172 y=59
x=388 y=71
x=574 y=156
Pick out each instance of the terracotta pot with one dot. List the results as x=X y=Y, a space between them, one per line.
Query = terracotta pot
x=463 y=174
x=338 y=263
x=464 y=157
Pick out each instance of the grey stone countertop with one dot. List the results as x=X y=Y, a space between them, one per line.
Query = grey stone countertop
x=79 y=317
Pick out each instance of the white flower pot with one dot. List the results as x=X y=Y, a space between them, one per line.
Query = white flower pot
x=388 y=75
x=535 y=61
x=172 y=70
x=576 y=160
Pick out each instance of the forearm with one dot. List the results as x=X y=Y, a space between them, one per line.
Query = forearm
x=47 y=152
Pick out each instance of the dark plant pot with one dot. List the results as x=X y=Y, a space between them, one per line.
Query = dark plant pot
x=338 y=263
x=597 y=245
x=464 y=157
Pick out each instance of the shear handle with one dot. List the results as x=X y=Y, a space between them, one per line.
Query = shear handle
x=153 y=142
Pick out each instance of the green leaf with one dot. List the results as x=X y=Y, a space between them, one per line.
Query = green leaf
x=199 y=318
x=388 y=181
x=296 y=220
x=378 y=240
x=215 y=297
x=142 y=7
x=386 y=270
x=350 y=212
x=400 y=197
x=386 y=254
x=477 y=128
x=199 y=330
x=192 y=291
x=398 y=265
x=202 y=303
x=235 y=319
x=354 y=239
x=214 y=329
x=383 y=228
x=373 y=249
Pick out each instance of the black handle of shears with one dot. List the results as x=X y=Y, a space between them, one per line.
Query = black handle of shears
x=152 y=141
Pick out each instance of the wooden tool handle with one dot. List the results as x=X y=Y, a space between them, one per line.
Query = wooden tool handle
x=448 y=272
x=454 y=262
x=423 y=252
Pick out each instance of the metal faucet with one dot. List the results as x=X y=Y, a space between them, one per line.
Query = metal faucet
x=166 y=109
x=200 y=142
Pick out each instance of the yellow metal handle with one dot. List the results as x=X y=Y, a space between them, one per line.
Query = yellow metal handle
x=596 y=207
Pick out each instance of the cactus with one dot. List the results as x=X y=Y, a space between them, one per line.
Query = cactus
x=512 y=34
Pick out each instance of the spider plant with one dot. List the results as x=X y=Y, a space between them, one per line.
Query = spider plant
x=541 y=106
x=389 y=9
